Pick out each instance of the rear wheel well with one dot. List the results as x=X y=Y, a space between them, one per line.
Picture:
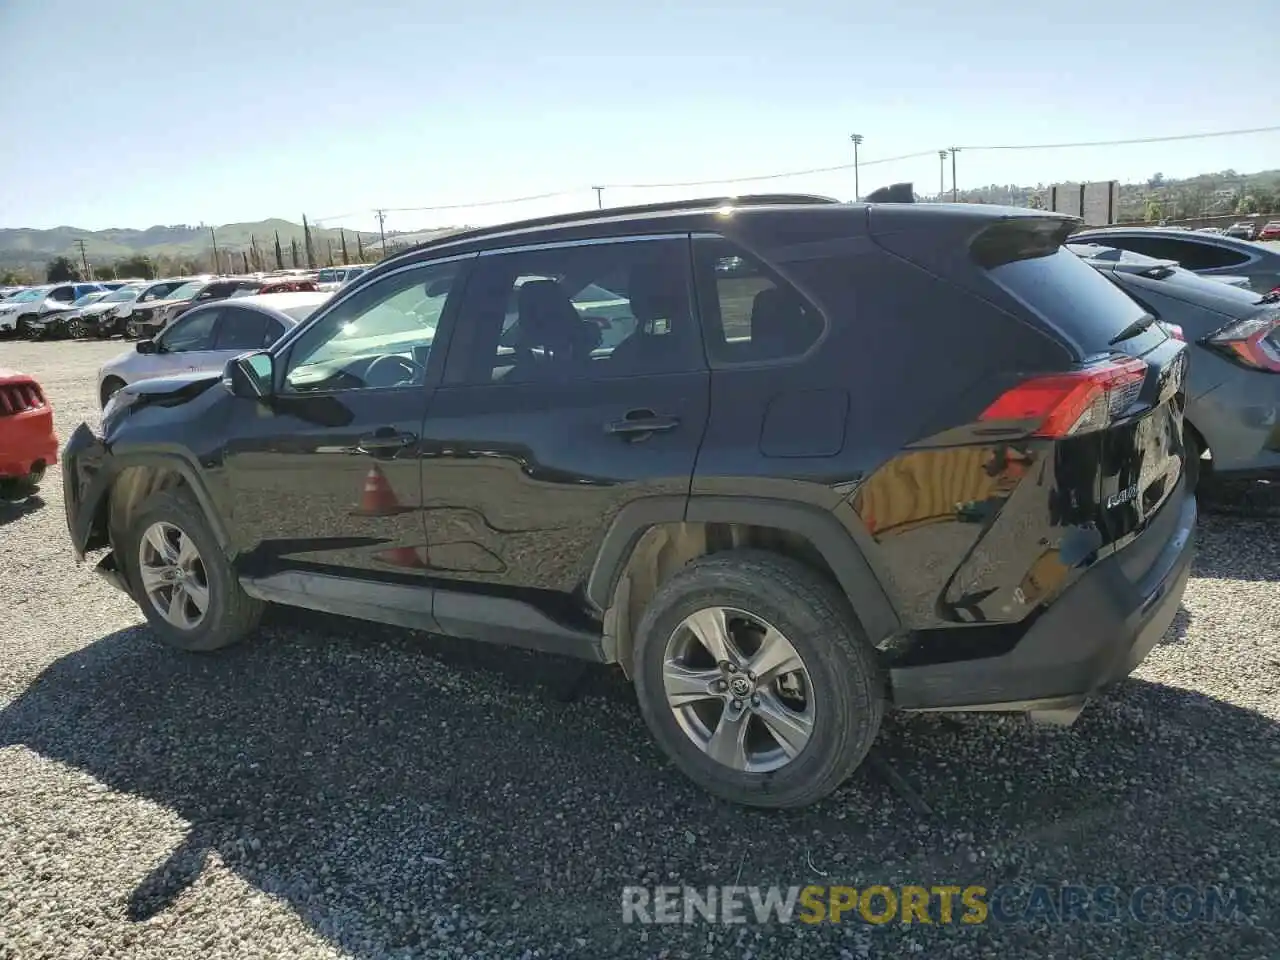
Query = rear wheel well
x=665 y=548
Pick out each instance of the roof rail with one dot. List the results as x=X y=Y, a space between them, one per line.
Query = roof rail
x=701 y=203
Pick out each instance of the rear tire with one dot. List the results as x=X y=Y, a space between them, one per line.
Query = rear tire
x=211 y=611
x=1193 y=446
x=835 y=699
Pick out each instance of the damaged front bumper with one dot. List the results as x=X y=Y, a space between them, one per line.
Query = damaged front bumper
x=85 y=485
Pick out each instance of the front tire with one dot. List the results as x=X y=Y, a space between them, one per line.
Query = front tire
x=756 y=679
x=181 y=578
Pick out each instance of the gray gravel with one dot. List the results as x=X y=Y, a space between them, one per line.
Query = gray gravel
x=341 y=790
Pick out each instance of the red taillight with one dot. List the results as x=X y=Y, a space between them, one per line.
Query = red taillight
x=1251 y=342
x=1064 y=404
x=1175 y=331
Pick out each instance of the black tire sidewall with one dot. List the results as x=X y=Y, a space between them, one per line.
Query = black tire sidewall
x=179 y=510
x=846 y=719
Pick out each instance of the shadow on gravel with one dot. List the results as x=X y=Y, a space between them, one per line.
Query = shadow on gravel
x=11 y=510
x=404 y=793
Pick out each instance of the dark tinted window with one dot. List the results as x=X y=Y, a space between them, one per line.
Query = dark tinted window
x=63 y=294
x=1189 y=253
x=1076 y=299
x=750 y=314
x=579 y=312
x=242 y=330
x=192 y=331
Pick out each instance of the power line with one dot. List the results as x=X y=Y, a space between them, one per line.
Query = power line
x=835 y=168
x=1123 y=143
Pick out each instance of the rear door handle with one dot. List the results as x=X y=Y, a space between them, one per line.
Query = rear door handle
x=641 y=421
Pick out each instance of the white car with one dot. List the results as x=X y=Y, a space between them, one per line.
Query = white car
x=17 y=312
x=334 y=278
x=206 y=337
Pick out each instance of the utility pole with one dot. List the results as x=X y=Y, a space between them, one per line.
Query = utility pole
x=942 y=174
x=382 y=216
x=216 y=266
x=954 y=194
x=599 y=197
x=84 y=258
x=857 y=141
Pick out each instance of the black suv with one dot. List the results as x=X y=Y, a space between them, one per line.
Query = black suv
x=788 y=462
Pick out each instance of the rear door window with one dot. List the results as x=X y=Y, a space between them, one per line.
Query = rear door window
x=242 y=329
x=1076 y=299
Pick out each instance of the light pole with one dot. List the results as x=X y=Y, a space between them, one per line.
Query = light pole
x=954 y=195
x=942 y=173
x=857 y=140
x=599 y=197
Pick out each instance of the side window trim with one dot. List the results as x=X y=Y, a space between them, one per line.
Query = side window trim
x=707 y=288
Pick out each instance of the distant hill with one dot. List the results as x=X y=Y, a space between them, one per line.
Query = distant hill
x=183 y=247
x=28 y=249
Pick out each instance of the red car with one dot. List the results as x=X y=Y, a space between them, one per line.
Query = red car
x=28 y=445
x=1271 y=231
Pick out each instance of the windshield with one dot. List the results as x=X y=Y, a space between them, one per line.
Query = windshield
x=329 y=276
x=119 y=296
x=28 y=295
x=187 y=290
x=89 y=298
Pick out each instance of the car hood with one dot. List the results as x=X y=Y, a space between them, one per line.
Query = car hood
x=95 y=308
x=178 y=386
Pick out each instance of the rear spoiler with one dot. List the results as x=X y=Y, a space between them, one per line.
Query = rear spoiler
x=894 y=193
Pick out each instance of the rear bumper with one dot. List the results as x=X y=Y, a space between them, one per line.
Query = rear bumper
x=28 y=445
x=1093 y=635
x=1240 y=421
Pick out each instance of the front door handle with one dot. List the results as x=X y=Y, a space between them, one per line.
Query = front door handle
x=384 y=442
x=641 y=421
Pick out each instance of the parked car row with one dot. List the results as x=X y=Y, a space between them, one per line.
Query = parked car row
x=135 y=309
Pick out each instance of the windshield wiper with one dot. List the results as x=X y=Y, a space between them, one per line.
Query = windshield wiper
x=1132 y=330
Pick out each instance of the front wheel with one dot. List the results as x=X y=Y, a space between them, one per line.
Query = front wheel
x=75 y=329
x=181 y=578
x=756 y=679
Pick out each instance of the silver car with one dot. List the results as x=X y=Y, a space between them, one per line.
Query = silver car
x=1201 y=253
x=1233 y=384
x=206 y=337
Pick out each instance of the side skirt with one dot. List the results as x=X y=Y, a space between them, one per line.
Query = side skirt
x=469 y=616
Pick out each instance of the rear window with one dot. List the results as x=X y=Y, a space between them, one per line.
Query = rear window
x=1075 y=299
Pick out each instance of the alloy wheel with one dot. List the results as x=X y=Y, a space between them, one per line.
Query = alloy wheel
x=738 y=689
x=173 y=575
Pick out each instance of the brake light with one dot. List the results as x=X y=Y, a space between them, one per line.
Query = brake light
x=1065 y=404
x=1253 y=343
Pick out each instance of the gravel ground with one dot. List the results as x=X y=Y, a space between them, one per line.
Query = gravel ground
x=342 y=790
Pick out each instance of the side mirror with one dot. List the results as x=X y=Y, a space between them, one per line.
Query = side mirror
x=250 y=375
x=147 y=346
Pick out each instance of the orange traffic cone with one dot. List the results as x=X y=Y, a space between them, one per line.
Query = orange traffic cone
x=400 y=557
x=378 y=499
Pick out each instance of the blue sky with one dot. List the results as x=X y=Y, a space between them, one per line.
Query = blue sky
x=138 y=112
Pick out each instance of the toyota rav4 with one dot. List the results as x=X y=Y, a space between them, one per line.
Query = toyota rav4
x=787 y=462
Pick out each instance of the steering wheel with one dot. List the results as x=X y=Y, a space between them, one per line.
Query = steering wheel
x=393 y=370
